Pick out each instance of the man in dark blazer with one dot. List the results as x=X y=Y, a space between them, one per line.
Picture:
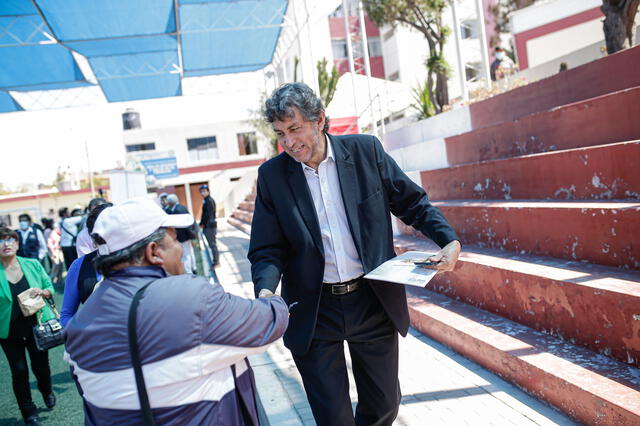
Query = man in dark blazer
x=321 y=222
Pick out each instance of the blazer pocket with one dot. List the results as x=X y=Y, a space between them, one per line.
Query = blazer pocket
x=371 y=199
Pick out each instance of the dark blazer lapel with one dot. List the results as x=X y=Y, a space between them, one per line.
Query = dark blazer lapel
x=347 y=176
x=302 y=195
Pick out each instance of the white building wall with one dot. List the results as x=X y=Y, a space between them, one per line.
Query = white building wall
x=554 y=45
x=175 y=139
x=544 y=12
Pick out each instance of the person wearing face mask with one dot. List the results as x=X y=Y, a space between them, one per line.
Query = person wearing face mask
x=502 y=65
x=31 y=239
x=192 y=337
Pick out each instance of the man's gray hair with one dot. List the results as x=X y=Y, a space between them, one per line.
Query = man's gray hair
x=299 y=95
x=132 y=254
x=172 y=198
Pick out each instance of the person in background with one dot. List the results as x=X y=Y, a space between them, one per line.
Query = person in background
x=502 y=65
x=84 y=243
x=68 y=235
x=32 y=242
x=184 y=235
x=57 y=259
x=208 y=222
x=82 y=276
x=18 y=274
x=563 y=67
x=163 y=201
x=193 y=337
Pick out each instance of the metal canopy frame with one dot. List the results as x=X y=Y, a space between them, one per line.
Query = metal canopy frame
x=130 y=49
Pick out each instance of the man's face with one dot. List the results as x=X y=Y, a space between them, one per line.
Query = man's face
x=301 y=139
x=170 y=251
x=204 y=193
x=163 y=201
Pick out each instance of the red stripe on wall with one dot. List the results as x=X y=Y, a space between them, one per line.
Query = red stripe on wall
x=220 y=166
x=522 y=38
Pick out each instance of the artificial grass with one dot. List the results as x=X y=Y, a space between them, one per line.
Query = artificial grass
x=68 y=410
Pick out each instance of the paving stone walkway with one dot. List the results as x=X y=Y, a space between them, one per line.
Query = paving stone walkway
x=439 y=387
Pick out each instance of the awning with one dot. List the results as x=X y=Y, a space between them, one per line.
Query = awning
x=130 y=49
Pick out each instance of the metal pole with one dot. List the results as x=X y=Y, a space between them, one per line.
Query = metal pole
x=483 y=43
x=314 y=77
x=295 y=19
x=367 y=65
x=347 y=35
x=461 y=65
x=382 y=125
x=93 y=189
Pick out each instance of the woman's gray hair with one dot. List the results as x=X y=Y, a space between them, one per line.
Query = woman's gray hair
x=132 y=254
x=298 y=95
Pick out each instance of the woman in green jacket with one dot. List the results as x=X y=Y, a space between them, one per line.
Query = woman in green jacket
x=18 y=274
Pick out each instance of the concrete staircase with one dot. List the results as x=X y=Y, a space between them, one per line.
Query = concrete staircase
x=546 y=199
x=547 y=290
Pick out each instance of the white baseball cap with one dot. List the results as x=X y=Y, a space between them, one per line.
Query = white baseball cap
x=127 y=223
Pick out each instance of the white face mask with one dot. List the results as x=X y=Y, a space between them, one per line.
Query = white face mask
x=499 y=55
x=24 y=225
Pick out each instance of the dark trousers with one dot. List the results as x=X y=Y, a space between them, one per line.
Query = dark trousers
x=359 y=319
x=210 y=235
x=70 y=254
x=14 y=349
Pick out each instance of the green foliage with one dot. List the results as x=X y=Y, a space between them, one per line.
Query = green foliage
x=422 y=105
x=424 y=16
x=438 y=65
x=327 y=82
x=260 y=124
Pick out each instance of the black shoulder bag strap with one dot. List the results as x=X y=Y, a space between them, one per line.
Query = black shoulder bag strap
x=134 y=350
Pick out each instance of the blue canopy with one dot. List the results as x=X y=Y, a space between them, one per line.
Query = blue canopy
x=136 y=49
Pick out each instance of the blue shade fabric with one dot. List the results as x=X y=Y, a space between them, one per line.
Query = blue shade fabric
x=37 y=64
x=136 y=49
x=7 y=104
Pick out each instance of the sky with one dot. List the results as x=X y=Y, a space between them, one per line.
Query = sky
x=36 y=143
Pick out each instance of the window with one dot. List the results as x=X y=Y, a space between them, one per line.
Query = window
x=205 y=148
x=339 y=48
x=375 y=48
x=469 y=29
x=150 y=146
x=472 y=71
x=247 y=143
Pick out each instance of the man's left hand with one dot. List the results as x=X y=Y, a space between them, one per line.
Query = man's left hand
x=446 y=258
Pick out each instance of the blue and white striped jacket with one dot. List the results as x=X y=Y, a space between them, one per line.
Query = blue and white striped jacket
x=190 y=334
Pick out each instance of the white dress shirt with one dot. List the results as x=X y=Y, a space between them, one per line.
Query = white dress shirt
x=341 y=259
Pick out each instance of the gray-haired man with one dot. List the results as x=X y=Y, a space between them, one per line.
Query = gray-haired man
x=322 y=221
x=193 y=337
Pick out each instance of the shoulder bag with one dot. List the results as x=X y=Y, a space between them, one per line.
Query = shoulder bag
x=134 y=350
x=48 y=334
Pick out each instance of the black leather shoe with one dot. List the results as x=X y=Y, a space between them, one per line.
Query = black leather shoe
x=50 y=400
x=33 y=420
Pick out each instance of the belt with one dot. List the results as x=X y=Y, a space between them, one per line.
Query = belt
x=338 y=289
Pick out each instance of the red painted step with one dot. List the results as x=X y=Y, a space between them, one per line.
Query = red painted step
x=599 y=172
x=606 y=119
x=587 y=386
x=606 y=75
x=605 y=233
x=243 y=215
x=247 y=206
x=594 y=306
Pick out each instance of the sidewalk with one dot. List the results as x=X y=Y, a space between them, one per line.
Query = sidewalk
x=439 y=387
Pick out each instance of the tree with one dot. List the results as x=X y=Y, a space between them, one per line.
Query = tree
x=618 y=23
x=426 y=17
x=327 y=82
